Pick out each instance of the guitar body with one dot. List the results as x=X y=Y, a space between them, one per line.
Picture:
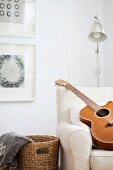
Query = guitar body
x=101 y=123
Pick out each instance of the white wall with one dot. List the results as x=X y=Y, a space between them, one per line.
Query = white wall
x=108 y=45
x=64 y=51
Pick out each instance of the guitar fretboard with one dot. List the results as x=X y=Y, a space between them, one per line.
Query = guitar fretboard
x=83 y=97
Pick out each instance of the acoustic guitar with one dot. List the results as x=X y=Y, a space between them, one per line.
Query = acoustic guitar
x=99 y=118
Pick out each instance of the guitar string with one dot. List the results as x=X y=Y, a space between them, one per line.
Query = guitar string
x=104 y=114
x=109 y=118
x=94 y=105
x=100 y=111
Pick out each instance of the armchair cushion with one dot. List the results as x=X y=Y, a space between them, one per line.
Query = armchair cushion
x=101 y=160
x=74 y=115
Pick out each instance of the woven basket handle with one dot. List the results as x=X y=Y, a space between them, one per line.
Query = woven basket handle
x=43 y=150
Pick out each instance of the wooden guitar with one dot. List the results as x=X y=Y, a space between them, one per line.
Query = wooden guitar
x=99 y=118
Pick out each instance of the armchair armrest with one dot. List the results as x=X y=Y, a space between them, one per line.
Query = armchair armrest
x=77 y=140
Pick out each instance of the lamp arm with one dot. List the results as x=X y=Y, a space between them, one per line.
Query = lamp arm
x=98 y=65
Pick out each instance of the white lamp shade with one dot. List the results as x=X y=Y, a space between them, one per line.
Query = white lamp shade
x=96 y=32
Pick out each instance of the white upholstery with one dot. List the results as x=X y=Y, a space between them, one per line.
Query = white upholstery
x=101 y=160
x=75 y=137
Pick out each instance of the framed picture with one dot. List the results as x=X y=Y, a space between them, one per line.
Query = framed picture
x=17 y=72
x=18 y=17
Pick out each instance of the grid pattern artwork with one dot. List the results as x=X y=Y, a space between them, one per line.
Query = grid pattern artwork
x=12 y=11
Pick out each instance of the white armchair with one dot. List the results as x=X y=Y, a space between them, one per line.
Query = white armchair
x=75 y=137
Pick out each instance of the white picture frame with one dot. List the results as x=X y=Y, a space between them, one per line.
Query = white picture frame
x=10 y=72
x=24 y=24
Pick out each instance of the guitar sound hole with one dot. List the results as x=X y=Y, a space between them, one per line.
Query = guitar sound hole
x=102 y=112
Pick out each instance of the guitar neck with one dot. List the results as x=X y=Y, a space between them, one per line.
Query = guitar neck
x=83 y=97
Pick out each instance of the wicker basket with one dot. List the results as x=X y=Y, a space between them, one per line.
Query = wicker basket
x=42 y=154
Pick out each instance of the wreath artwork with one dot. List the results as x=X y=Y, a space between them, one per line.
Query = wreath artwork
x=12 y=71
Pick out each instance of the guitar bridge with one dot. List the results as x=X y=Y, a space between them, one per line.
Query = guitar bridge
x=109 y=124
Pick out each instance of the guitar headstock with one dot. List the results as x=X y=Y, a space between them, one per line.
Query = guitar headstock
x=61 y=83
